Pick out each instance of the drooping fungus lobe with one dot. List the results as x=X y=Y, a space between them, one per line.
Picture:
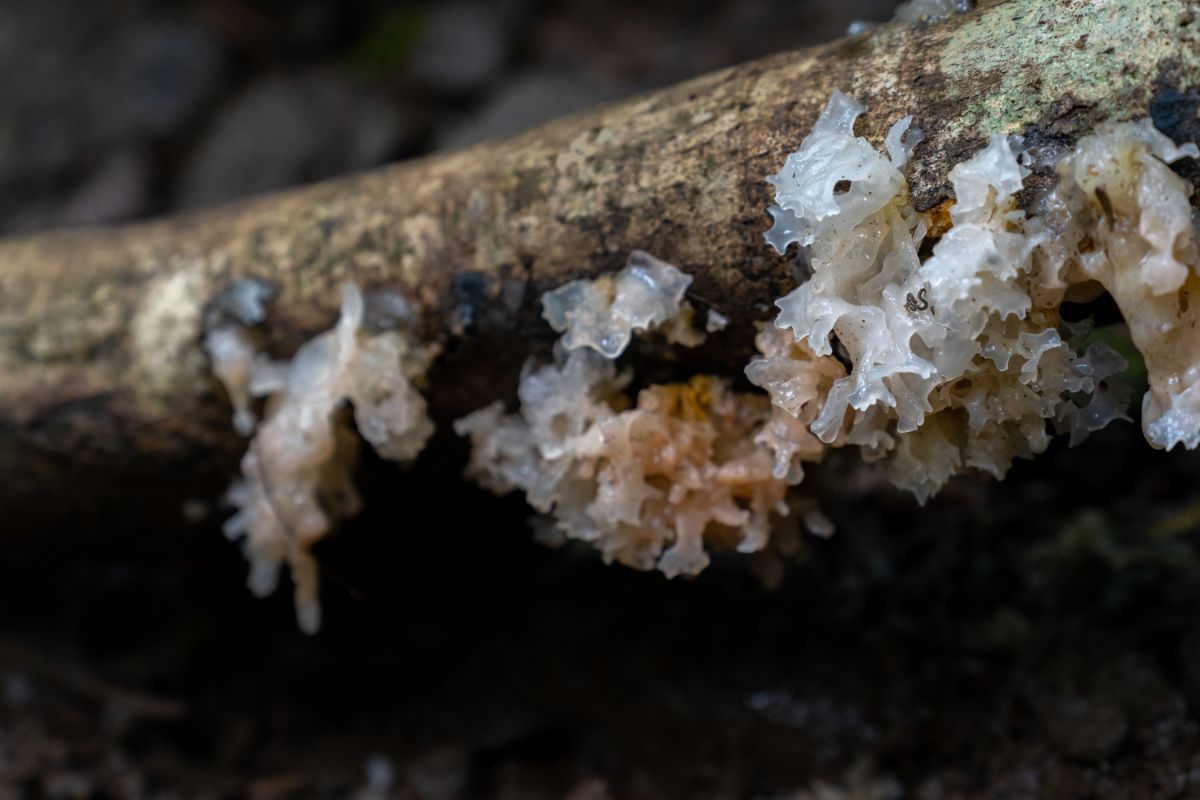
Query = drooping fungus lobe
x=230 y=347
x=797 y=382
x=1121 y=217
x=647 y=480
x=297 y=474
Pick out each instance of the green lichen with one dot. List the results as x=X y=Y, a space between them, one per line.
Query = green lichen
x=1056 y=63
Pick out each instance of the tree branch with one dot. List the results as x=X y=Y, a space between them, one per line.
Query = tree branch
x=101 y=374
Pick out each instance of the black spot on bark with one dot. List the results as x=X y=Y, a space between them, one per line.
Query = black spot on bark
x=1175 y=110
x=1177 y=114
x=1175 y=104
x=471 y=291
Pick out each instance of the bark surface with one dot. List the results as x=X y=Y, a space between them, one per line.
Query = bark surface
x=102 y=378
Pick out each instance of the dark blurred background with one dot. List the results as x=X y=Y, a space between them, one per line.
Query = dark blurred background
x=1034 y=638
x=119 y=109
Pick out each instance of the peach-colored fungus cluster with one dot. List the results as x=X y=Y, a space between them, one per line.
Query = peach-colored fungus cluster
x=650 y=480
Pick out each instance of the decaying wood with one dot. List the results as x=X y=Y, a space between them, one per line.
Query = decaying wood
x=102 y=379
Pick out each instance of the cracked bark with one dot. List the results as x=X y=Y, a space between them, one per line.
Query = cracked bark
x=102 y=380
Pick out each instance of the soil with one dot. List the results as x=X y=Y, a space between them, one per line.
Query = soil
x=1030 y=638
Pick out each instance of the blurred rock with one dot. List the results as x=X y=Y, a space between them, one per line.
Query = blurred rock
x=313 y=25
x=441 y=773
x=1189 y=661
x=464 y=45
x=521 y=103
x=1085 y=728
x=161 y=73
x=86 y=81
x=118 y=190
x=1157 y=710
x=287 y=130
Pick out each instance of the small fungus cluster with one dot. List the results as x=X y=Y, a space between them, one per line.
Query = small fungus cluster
x=297 y=474
x=648 y=480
